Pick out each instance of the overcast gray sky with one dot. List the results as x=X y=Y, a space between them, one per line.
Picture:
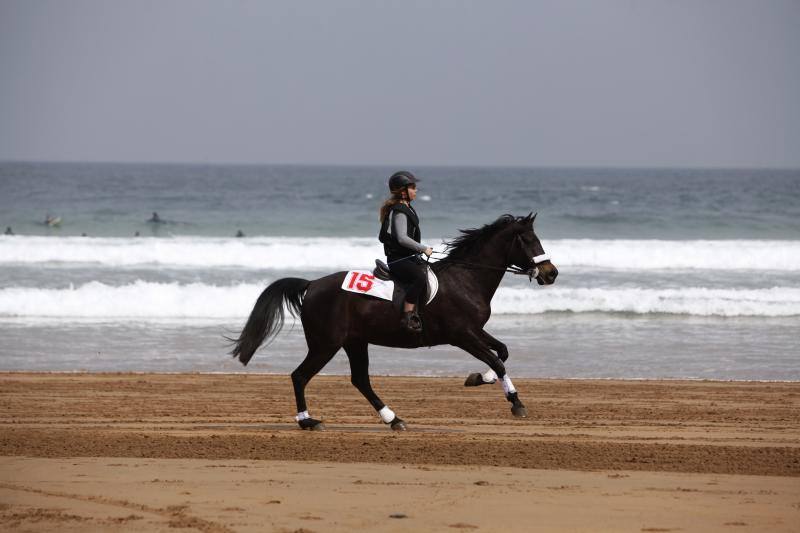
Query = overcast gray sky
x=609 y=83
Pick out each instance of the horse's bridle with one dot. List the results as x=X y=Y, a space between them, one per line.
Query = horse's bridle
x=531 y=272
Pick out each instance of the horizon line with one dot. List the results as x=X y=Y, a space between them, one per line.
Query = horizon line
x=394 y=165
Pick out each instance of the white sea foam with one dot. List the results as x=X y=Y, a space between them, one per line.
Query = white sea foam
x=155 y=301
x=139 y=300
x=284 y=253
x=660 y=254
x=697 y=301
x=320 y=253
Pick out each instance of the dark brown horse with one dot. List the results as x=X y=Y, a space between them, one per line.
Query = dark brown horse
x=333 y=318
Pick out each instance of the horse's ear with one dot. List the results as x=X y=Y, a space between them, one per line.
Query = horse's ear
x=532 y=216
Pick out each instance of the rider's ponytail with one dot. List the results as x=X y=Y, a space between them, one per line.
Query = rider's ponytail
x=395 y=198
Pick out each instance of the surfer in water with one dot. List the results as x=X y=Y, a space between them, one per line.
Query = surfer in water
x=52 y=221
x=155 y=219
x=9 y=231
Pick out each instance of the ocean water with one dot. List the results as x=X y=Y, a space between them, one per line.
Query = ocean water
x=663 y=273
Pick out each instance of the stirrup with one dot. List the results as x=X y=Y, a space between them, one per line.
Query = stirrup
x=411 y=321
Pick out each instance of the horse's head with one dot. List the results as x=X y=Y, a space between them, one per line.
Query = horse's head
x=527 y=252
x=509 y=241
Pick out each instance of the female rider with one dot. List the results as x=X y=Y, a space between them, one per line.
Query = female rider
x=400 y=235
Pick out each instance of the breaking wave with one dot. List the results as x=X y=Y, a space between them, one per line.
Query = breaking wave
x=318 y=253
x=143 y=300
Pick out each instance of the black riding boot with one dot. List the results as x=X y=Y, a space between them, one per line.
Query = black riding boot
x=411 y=321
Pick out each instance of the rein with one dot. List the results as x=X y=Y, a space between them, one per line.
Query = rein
x=512 y=269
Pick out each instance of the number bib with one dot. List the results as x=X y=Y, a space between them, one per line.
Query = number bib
x=364 y=282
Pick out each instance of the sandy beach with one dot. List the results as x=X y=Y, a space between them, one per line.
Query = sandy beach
x=152 y=452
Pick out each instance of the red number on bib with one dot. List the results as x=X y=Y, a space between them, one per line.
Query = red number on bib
x=361 y=282
x=365 y=282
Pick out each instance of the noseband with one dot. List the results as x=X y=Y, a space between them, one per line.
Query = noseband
x=533 y=270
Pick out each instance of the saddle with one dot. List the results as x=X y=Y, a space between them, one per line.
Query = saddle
x=382 y=272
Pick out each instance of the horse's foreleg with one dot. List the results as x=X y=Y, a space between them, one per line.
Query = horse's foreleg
x=310 y=367
x=494 y=344
x=487 y=378
x=476 y=346
x=358 y=355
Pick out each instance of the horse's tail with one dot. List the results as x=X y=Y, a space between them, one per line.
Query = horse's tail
x=267 y=317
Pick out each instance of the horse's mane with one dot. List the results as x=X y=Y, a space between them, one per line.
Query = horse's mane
x=473 y=238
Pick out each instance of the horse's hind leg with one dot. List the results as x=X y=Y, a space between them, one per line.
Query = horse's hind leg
x=358 y=355
x=311 y=365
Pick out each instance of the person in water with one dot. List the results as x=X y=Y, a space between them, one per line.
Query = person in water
x=155 y=219
x=401 y=237
x=9 y=231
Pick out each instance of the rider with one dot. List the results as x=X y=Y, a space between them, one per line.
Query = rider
x=400 y=235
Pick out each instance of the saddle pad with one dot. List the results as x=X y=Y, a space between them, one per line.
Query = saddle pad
x=364 y=282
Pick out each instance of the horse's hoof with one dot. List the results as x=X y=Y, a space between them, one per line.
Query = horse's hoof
x=398 y=425
x=473 y=380
x=519 y=411
x=311 y=424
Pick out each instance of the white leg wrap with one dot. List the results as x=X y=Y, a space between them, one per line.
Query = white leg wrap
x=387 y=415
x=302 y=416
x=508 y=387
x=489 y=376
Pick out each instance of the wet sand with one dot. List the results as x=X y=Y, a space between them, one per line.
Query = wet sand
x=222 y=453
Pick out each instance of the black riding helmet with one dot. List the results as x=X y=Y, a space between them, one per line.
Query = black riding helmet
x=401 y=179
